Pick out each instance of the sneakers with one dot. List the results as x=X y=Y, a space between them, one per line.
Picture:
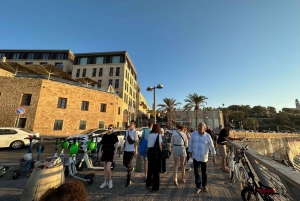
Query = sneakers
x=198 y=190
x=110 y=184
x=187 y=169
x=104 y=184
x=205 y=189
x=131 y=171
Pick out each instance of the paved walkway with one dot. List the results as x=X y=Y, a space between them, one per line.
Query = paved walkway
x=218 y=186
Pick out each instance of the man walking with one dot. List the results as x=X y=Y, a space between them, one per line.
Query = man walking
x=199 y=146
x=145 y=135
x=130 y=149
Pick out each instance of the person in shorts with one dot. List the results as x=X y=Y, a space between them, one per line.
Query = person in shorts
x=107 y=153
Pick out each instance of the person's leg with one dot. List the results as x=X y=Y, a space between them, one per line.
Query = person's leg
x=145 y=159
x=196 y=173
x=204 y=174
x=149 y=171
x=176 y=160
x=125 y=159
x=108 y=170
x=163 y=164
x=182 y=160
x=129 y=168
x=156 y=167
x=105 y=171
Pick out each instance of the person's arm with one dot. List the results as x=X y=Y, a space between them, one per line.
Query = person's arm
x=160 y=140
x=172 y=140
x=136 y=144
x=123 y=148
x=190 y=150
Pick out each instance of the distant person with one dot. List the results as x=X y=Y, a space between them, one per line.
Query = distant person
x=188 y=135
x=130 y=149
x=72 y=190
x=217 y=133
x=166 y=147
x=145 y=135
x=222 y=143
x=107 y=154
x=199 y=146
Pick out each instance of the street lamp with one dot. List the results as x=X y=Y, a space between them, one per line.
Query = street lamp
x=159 y=86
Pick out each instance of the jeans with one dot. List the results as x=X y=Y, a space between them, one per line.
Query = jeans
x=127 y=159
x=197 y=166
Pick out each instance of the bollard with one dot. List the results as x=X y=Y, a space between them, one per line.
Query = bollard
x=41 y=180
x=139 y=165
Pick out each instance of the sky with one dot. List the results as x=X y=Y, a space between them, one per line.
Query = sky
x=233 y=52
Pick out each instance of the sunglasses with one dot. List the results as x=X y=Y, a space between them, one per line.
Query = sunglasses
x=109 y=128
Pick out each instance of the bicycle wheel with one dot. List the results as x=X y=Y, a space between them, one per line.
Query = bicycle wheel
x=248 y=194
x=243 y=176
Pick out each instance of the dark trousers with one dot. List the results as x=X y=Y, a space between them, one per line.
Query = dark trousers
x=197 y=166
x=153 y=171
x=163 y=164
x=187 y=155
x=127 y=159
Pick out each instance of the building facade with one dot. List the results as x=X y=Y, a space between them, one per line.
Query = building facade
x=63 y=59
x=111 y=69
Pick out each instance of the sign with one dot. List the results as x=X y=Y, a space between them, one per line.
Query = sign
x=20 y=110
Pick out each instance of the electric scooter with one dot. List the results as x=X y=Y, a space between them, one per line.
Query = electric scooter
x=71 y=168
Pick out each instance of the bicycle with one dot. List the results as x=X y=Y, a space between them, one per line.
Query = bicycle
x=254 y=191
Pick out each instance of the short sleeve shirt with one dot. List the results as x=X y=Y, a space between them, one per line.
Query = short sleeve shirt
x=134 y=135
x=223 y=134
x=108 y=141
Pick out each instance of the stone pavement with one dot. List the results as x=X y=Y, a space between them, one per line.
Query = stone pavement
x=218 y=186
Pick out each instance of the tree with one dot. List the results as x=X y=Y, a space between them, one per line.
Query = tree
x=258 y=110
x=194 y=102
x=248 y=123
x=271 y=111
x=169 y=107
x=226 y=112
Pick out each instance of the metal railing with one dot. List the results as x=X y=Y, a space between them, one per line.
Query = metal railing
x=285 y=180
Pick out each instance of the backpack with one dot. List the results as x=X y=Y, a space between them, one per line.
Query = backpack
x=143 y=147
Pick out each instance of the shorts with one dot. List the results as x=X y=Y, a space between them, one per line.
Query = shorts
x=222 y=150
x=145 y=158
x=179 y=152
x=107 y=156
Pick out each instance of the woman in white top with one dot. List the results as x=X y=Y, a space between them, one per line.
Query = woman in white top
x=154 y=161
x=179 y=143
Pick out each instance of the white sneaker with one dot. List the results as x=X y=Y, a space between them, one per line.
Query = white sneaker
x=104 y=184
x=110 y=184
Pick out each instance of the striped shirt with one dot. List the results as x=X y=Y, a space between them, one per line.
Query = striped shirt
x=199 y=145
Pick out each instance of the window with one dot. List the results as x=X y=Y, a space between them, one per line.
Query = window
x=84 y=72
x=26 y=99
x=16 y=56
x=82 y=125
x=45 y=56
x=30 y=56
x=99 y=60
x=94 y=72
x=130 y=91
x=42 y=63
x=28 y=63
x=116 y=59
x=22 y=122
x=59 y=65
x=103 y=107
x=58 y=124
x=99 y=83
x=118 y=124
x=60 y=56
x=119 y=111
x=110 y=82
x=85 y=105
x=111 y=71
x=2 y=55
x=62 y=103
x=83 y=60
x=101 y=124
x=118 y=71
x=117 y=83
x=100 y=72
x=7 y=132
x=77 y=72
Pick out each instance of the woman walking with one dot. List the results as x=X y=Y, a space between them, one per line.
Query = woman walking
x=179 y=143
x=166 y=147
x=154 y=163
x=107 y=153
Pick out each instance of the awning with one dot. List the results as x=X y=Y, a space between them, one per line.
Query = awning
x=15 y=68
x=87 y=81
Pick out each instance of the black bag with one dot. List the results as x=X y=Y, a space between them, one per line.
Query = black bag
x=155 y=150
x=166 y=154
x=129 y=139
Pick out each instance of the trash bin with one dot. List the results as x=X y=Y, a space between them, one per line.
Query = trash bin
x=41 y=180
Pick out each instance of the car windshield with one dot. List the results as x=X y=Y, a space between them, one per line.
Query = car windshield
x=23 y=129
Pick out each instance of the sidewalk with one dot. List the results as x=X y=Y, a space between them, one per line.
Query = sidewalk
x=218 y=186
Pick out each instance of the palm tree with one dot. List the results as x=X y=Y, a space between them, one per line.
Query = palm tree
x=194 y=102
x=169 y=107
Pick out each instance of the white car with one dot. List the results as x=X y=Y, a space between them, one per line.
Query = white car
x=14 y=137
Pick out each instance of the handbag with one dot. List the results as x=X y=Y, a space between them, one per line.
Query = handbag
x=155 y=150
x=166 y=154
x=143 y=147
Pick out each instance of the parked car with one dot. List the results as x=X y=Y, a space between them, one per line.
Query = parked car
x=14 y=137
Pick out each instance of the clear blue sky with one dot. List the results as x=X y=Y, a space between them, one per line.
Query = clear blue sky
x=233 y=52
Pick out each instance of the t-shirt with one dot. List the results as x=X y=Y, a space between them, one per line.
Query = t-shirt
x=223 y=134
x=108 y=142
x=134 y=135
x=145 y=133
x=151 y=139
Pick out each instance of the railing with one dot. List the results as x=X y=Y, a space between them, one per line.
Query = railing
x=284 y=179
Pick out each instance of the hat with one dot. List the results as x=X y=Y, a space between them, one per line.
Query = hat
x=229 y=125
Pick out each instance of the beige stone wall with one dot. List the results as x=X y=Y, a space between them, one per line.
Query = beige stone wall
x=5 y=73
x=43 y=111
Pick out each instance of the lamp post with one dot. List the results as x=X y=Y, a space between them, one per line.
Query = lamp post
x=159 y=86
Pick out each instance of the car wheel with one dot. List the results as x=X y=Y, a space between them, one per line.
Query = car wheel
x=17 y=144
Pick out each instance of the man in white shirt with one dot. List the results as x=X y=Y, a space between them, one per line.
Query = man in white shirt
x=199 y=144
x=130 y=149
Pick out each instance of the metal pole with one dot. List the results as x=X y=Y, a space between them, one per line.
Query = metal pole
x=17 y=121
x=154 y=106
